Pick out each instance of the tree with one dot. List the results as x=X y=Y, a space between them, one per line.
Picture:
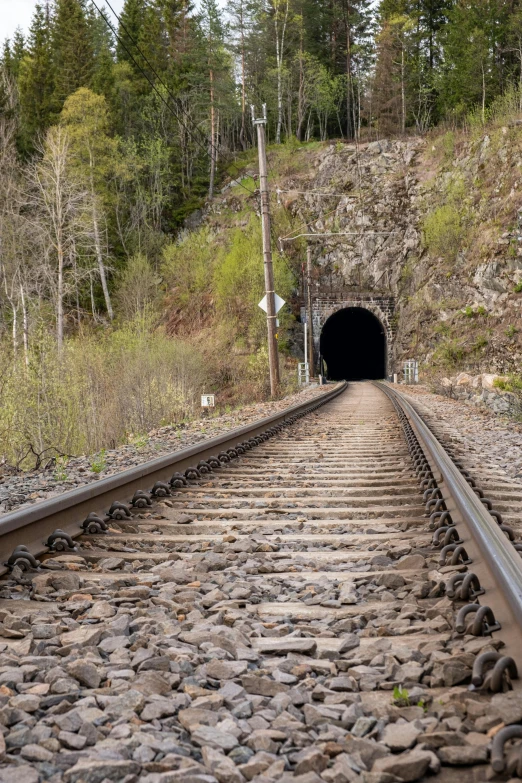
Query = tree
x=73 y=50
x=214 y=32
x=514 y=46
x=36 y=81
x=129 y=33
x=13 y=54
x=281 y=10
x=56 y=208
x=242 y=14
x=103 y=47
x=92 y=159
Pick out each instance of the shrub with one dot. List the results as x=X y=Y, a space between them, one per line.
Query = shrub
x=448 y=145
x=480 y=342
x=449 y=354
x=137 y=288
x=188 y=264
x=443 y=232
x=239 y=283
x=99 y=390
x=513 y=383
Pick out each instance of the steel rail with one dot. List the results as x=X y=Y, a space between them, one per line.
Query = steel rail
x=497 y=563
x=31 y=526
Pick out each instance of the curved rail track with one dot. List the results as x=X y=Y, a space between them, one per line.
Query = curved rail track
x=323 y=596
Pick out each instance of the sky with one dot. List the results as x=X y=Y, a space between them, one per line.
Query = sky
x=18 y=13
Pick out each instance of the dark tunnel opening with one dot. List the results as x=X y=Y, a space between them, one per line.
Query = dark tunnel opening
x=353 y=346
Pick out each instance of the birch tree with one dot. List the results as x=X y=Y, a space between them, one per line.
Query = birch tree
x=281 y=10
x=57 y=206
x=92 y=159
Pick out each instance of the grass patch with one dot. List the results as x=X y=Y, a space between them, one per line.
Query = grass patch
x=450 y=353
x=443 y=232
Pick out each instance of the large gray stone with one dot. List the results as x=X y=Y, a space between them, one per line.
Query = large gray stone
x=225 y=670
x=90 y=771
x=407 y=767
x=214 y=738
x=400 y=736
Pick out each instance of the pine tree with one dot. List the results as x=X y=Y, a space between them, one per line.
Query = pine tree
x=7 y=57
x=129 y=32
x=18 y=51
x=153 y=44
x=73 y=49
x=178 y=21
x=475 y=41
x=103 y=44
x=36 y=82
x=214 y=32
x=242 y=12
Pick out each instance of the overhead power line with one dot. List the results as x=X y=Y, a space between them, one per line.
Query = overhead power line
x=317 y=193
x=341 y=234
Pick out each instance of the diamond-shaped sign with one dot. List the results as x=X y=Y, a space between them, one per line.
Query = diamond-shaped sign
x=278 y=303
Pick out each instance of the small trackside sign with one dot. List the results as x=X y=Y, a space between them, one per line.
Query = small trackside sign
x=278 y=302
x=208 y=401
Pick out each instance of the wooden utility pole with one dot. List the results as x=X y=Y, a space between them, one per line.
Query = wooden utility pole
x=271 y=315
x=310 y=347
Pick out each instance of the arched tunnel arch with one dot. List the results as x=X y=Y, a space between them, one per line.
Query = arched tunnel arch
x=353 y=345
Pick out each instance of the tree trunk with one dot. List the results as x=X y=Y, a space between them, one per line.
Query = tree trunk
x=403 y=94
x=301 y=92
x=520 y=75
x=242 y=132
x=99 y=254
x=483 y=95
x=349 y=84
x=59 y=293
x=212 y=138
x=25 y=322
x=280 y=45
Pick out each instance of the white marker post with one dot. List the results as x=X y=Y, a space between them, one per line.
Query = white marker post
x=207 y=401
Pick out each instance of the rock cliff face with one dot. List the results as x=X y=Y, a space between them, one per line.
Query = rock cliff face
x=433 y=223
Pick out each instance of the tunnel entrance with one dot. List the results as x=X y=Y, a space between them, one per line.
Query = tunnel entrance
x=353 y=345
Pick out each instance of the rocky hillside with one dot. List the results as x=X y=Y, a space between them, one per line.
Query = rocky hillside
x=432 y=222
x=438 y=230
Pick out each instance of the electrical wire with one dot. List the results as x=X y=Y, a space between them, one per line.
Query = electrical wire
x=341 y=234
x=317 y=193
x=306 y=225
x=138 y=66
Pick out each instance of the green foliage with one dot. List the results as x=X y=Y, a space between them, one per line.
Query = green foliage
x=448 y=145
x=188 y=265
x=513 y=383
x=511 y=331
x=443 y=232
x=60 y=473
x=449 y=353
x=137 y=289
x=443 y=328
x=139 y=441
x=400 y=696
x=73 y=50
x=99 y=461
x=102 y=387
x=239 y=281
x=473 y=312
x=480 y=342
x=518 y=288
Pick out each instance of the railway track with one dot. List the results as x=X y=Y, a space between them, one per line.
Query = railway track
x=324 y=596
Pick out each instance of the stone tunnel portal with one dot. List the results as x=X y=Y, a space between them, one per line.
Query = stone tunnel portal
x=353 y=345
